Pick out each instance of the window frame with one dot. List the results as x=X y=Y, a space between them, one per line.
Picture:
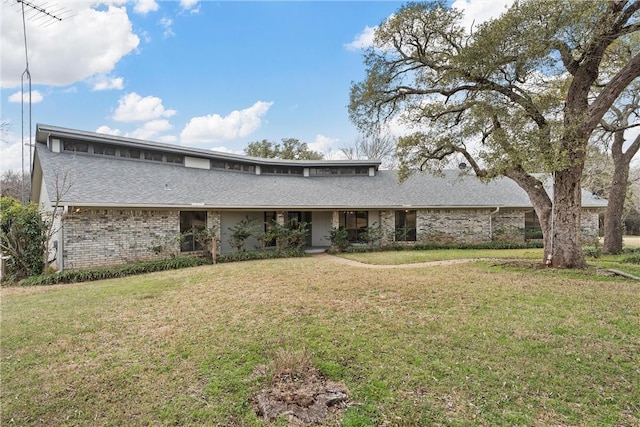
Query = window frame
x=189 y=221
x=403 y=222
x=355 y=222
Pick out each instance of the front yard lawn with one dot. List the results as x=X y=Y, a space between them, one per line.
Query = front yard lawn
x=470 y=344
x=417 y=256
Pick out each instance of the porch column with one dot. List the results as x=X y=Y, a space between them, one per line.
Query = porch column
x=388 y=225
x=213 y=220
x=335 y=219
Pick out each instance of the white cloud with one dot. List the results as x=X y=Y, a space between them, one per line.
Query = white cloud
x=362 y=40
x=90 y=42
x=145 y=6
x=213 y=127
x=134 y=108
x=478 y=11
x=109 y=131
x=150 y=130
x=36 y=97
x=191 y=5
x=223 y=149
x=11 y=150
x=168 y=139
x=323 y=144
x=166 y=24
x=103 y=82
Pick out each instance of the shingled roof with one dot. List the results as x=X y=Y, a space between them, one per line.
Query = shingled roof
x=116 y=182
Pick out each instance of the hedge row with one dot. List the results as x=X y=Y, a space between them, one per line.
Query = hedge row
x=256 y=255
x=74 y=276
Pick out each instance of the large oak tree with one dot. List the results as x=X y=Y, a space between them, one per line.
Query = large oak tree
x=615 y=126
x=515 y=96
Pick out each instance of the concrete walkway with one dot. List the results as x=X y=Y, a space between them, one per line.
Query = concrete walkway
x=340 y=260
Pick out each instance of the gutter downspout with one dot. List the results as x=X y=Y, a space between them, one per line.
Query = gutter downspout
x=491 y=214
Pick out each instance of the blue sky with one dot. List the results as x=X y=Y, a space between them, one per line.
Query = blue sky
x=206 y=74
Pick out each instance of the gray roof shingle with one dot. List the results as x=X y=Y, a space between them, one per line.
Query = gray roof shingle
x=110 y=181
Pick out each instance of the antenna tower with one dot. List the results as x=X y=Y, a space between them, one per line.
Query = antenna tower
x=43 y=15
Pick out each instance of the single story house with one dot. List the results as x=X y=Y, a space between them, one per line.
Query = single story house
x=118 y=197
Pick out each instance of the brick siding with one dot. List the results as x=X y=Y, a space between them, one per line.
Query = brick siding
x=105 y=237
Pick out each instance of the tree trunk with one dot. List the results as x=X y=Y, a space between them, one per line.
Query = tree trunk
x=566 y=245
x=613 y=227
x=541 y=202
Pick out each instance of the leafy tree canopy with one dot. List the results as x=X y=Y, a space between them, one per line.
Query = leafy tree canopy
x=290 y=148
x=515 y=96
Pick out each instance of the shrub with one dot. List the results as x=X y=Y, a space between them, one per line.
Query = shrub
x=22 y=236
x=339 y=238
x=74 y=276
x=241 y=232
x=255 y=255
x=206 y=238
x=592 y=251
x=296 y=234
x=634 y=258
x=293 y=235
x=372 y=235
x=166 y=246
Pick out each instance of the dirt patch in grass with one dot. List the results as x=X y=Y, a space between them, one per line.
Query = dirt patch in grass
x=299 y=391
x=305 y=398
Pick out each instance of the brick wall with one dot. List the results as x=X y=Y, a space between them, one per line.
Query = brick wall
x=388 y=224
x=507 y=225
x=105 y=237
x=589 y=225
x=452 y=225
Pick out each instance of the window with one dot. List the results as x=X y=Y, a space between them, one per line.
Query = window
x=191 y=221
x=129 y=153
x=281 y=170
x=153 y=156
x=406 y=226
x=323 y=171
x=105 y=150
x=236 y=166
x=355 y=222
x=339 y=171
x=76 y=146
x=217 y=164
x=173 y=158
x=532 y=228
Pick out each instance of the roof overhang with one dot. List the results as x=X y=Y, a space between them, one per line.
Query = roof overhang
x=195 y=206
x=44 y=132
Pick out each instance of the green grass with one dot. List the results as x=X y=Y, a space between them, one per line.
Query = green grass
x=413 y=257
x=470 y=344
